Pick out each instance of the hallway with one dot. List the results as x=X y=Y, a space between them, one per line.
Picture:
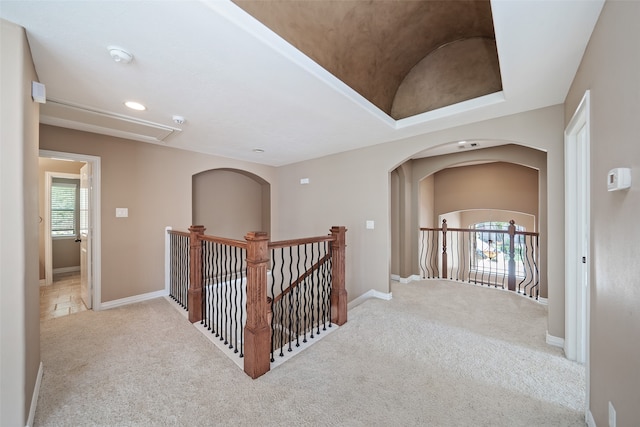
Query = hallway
x=62 y=297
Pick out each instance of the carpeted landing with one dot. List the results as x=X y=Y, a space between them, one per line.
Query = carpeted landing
x=437 y=354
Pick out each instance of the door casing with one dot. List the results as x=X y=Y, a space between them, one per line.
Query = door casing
x=94 y=209
x=577 y=237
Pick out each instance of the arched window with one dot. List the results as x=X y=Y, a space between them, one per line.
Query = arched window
x=491 y=248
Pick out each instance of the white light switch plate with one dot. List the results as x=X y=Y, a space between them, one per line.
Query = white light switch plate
x=122 y=212
x=370 y=225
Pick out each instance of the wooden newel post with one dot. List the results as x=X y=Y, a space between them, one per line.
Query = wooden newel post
x=444 y=249
x=257 y=344
x=194 y=295
x=511 y=282
x=338 y=289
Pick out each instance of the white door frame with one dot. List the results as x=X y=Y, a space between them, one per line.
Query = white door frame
x=95 y=216
x=577 y=238
x=48 y=240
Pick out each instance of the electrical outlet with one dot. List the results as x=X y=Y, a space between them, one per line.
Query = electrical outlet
x=612 y=415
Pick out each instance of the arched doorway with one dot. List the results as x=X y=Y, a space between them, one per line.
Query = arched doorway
x=418 y=175
x=231 y=202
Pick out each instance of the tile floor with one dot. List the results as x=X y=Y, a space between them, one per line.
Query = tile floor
x=62 y=297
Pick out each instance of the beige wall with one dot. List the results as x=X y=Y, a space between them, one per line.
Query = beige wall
x=426 y=201
x=65 y=253
x=155 y=183
x=468 y=218
x=497 y=185
x=610 y=69
x=352 y=187
x=19 y=290
x=67 y=250
x=230 y=203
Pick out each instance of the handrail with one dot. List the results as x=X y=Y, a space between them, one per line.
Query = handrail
x=179 y=233
x=224 y=241
x=481 y=230
x=302 y=241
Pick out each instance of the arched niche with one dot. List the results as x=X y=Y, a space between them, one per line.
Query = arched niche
x=231 y=202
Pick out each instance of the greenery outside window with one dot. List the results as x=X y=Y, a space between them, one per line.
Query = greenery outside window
x=64 y=207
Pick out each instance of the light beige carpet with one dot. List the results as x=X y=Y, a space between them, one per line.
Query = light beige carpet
x=437 y=354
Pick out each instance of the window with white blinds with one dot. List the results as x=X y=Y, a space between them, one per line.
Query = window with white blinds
x=63 y=208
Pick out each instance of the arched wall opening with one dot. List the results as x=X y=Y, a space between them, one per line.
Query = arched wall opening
x=470 y=217
x=231 y=202
x=504 y=178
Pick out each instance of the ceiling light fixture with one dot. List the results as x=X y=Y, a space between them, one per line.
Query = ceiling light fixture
x=135 y=105
x=120 y=55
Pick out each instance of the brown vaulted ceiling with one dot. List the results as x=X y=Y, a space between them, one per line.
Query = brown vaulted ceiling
x=405 y=57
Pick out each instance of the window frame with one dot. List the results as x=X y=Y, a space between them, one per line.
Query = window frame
x=76 y=229
x=48 y=181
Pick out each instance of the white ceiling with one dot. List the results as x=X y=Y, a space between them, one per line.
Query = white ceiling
x=241 y=87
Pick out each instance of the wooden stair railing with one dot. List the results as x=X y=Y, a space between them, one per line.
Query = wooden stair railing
x=257 y=330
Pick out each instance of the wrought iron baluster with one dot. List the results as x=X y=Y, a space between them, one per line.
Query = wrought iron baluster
x=183 y=288
x=205 y=274
x=329 y=281
x=243 y=285
x=435 y=238
x=211 y=286
x=236 y=301
x=227 y=296
x=282 y=301
x=273 y=297
x=421 y=256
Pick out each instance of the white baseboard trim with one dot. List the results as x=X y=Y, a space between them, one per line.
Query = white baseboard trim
x=555 y=341
x=34 y=397
x=409 y=279
x=372 y=293
x=590 y=421
x=131 y=300
x=543 y=301
x=66 y=269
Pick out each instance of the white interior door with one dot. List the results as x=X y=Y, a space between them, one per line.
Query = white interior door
x=577 y=260
x=86 y=283
x=582 y=243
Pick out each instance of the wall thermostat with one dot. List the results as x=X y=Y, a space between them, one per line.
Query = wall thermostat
x=38 y=92
x=619 y=179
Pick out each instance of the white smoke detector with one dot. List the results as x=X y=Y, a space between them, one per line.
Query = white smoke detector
x=178 y=120
x=120 y=55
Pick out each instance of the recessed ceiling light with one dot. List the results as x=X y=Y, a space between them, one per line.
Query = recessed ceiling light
x=258 y=150
x=462 y=142
x=135 y=105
